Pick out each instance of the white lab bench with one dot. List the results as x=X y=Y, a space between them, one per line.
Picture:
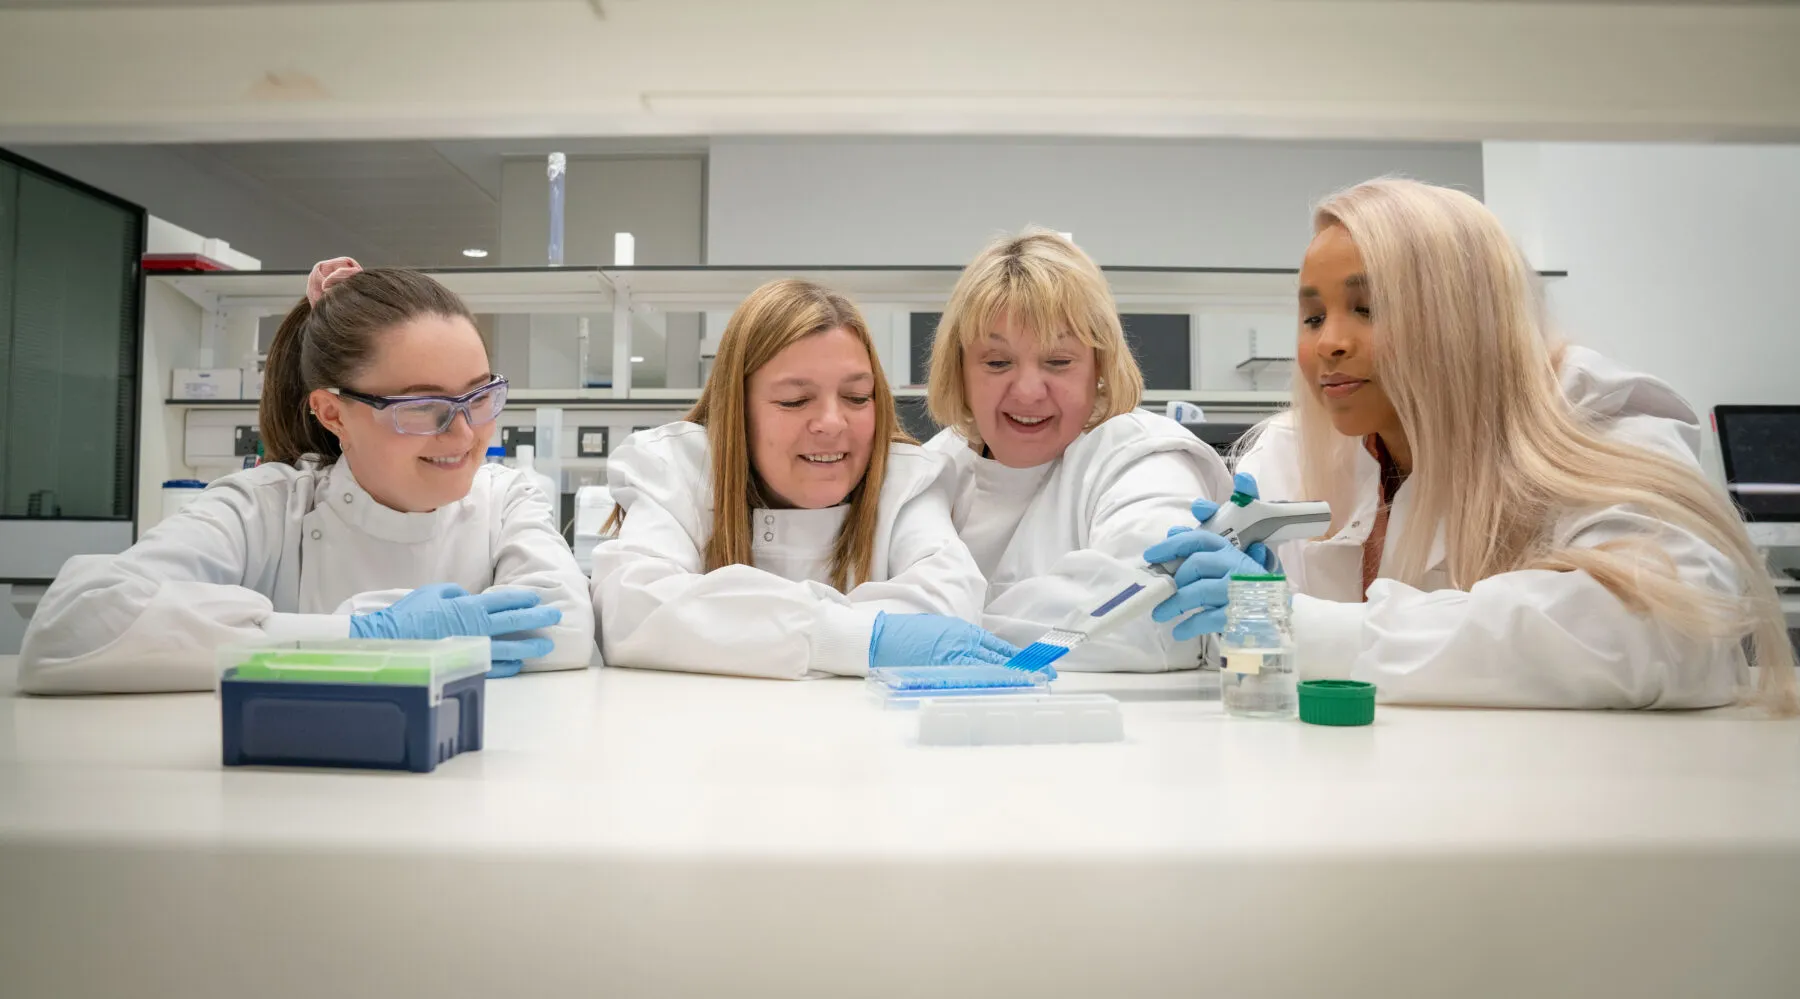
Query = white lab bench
x=632 y=833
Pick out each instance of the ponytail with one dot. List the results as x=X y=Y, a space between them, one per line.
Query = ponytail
x=324 y=346
x=284 y=417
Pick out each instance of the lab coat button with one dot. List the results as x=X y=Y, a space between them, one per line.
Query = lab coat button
x=347 y=497
x=768 y=535
x=315 y=535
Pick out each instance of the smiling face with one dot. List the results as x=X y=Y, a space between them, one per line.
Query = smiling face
x=427 y=355
x=1336 y=349
x=812 y=420
x=1029 y=401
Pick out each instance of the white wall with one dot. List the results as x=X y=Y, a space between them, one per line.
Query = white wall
x=207 y=198
x=1221 y=203
x=1682 y=259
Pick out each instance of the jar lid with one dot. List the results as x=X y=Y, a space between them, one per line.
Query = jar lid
x=1258 y=577
x=1337 y=702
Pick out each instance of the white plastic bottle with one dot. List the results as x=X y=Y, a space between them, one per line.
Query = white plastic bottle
x=1257 y=678
x=526 y=462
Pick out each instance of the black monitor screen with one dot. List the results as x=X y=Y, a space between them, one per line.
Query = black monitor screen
x=1760 y=446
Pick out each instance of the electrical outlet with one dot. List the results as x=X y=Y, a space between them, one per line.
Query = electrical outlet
x=244 y=441
x=590 y=442
x=512 y=437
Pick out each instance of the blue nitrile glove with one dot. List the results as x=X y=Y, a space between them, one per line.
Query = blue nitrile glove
x=445 y=610
x=504 y=668
x=1242 y=482
x=934 y=640
x=1203 y=582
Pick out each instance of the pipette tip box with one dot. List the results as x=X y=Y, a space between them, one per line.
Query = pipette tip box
x=1020 y=719
x=906 y=686
x=369 y=704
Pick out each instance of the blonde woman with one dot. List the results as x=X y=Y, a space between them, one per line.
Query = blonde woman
x=1062 y=481
x=1517 y=523
x=787 y=528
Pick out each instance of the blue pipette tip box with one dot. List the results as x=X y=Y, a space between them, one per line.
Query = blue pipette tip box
x=367 y=704
x=906 y=686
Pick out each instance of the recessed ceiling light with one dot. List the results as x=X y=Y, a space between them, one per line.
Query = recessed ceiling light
x=475 y=251
x=637 y=360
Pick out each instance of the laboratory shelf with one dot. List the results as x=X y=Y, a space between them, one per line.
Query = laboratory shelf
x=484 y=289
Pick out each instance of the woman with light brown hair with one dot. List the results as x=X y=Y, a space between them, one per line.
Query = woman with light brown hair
x=1517 y=522
x=788 y=527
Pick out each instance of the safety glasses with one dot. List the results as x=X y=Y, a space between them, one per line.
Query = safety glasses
x=426 y=415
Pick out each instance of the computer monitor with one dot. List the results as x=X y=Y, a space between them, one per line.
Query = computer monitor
x=1760 y=448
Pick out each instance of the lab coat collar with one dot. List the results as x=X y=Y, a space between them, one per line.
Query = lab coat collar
x=1368 y=500
x=353 y=505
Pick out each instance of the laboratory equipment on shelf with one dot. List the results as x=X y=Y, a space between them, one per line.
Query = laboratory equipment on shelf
x=1257 y=675
x=366 y=703
x=177 y=493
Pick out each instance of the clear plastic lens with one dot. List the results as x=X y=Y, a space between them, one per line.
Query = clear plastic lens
x=434 y=416
x=485 y=407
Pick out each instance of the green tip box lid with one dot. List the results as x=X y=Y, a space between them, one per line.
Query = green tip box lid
x=366 y=661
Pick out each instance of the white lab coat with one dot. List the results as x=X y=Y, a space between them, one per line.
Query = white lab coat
x=1116 y=490
x=779 y=618
x=1531 y=638
x=282 y=553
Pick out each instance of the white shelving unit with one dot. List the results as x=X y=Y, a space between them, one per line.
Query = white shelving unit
x=639 y=297
x=484 y=289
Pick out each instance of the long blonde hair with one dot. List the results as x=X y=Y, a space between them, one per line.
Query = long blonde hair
x=1463 y=351
x=775 y=316
x=1047 y=285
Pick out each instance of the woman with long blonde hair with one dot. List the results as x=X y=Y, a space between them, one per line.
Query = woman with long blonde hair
x=1062 y=480
x=788 y=527
x=1516 y=522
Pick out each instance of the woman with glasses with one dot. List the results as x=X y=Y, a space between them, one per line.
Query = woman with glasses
x=372 y=515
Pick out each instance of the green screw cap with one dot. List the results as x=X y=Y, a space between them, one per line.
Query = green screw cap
x=1337 y=702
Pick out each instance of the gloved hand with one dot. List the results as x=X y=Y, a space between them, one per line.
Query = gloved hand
x=934 y=640
x=1203 y=582
x=505 y=668
x=327 y=273
x=443 y=610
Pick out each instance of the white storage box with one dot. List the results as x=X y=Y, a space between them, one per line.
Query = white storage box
x=206 y=383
